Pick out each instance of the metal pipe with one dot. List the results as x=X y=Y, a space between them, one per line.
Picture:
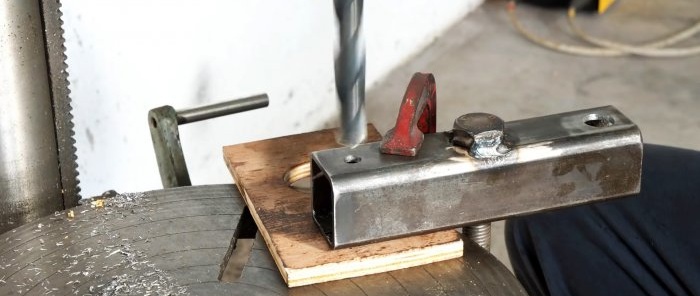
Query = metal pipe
x=222 y=109
x=360 y=195
x=30 y=182
x=350 y=72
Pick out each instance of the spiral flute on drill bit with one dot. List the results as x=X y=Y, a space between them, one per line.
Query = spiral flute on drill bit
x=350 y=72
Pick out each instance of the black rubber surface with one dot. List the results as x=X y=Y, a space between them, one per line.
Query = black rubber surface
x=172 y=242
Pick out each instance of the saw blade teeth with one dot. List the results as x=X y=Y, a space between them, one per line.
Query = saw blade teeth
x=58 y=74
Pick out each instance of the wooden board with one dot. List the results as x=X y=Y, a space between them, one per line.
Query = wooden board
x=283 y=216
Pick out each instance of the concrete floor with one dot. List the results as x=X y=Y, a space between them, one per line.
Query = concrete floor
x=482 y=64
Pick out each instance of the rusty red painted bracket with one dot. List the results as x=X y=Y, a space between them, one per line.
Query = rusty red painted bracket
x=417 y=116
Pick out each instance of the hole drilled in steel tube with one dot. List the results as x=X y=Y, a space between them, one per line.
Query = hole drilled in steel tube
x=352 y=159
x=597 y=120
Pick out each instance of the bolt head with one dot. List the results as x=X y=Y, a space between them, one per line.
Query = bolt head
x=477 y=127
x=473 y=124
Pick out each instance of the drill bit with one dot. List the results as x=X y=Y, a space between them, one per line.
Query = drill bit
x=350 y=72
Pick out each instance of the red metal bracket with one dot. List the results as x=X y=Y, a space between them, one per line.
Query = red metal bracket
x=417 y=116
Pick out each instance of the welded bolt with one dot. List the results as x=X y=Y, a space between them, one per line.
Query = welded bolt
x=481 y=134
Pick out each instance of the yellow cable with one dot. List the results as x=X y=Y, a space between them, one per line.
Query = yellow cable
x=558 y=46
x=609 y=48
x=650 y=50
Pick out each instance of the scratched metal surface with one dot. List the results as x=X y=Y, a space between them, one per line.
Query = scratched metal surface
x=172 y=242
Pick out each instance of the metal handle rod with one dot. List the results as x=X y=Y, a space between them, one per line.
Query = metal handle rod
x=350 y=72
x=222 y=109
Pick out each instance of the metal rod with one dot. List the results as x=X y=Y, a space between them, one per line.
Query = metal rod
x=479 y=234
x=350 y=72
x=222 y=109
x=30 y=181
x=163 y=124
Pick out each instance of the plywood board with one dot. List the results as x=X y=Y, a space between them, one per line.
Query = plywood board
x=283 y=216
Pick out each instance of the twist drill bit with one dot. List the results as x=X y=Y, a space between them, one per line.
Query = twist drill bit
x=350 y=72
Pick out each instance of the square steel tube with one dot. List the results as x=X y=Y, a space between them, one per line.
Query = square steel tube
x=362 y=196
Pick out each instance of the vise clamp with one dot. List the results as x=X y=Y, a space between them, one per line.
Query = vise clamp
x=416 y=181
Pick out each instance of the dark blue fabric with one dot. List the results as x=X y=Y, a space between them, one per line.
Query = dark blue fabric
x=645 y=244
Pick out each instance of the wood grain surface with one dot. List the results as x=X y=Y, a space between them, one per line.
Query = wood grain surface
x=284 y=218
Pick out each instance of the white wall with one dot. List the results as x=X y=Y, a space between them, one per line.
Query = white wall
x=126 y=57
